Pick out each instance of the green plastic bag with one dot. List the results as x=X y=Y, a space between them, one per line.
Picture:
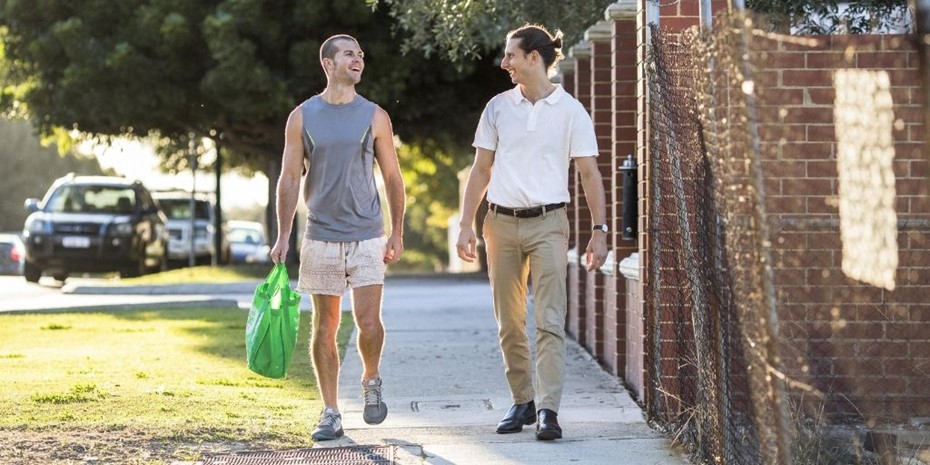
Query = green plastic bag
x=271 y=332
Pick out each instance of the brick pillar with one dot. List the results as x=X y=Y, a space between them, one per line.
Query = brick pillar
x=581 y=54
x=566 y=77
x=648 y=13
x=622 y=20
x=601 y=113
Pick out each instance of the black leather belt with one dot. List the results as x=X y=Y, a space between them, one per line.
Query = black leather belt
x=532 y=212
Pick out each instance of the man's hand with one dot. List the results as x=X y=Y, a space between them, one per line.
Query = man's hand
x=279 y=251
x=596 y=253
x=393 y=248
x=467 y=245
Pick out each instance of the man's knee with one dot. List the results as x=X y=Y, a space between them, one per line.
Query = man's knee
x=369 y=324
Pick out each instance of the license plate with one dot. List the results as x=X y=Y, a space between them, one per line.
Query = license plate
x=75 y=242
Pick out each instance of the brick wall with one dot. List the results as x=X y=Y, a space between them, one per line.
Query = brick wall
x=866 y=347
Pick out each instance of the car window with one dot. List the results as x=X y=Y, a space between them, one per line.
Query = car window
x=74 y=198
x=180 y=209
x=247 y=236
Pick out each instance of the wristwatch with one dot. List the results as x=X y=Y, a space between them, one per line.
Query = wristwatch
x=601 y=227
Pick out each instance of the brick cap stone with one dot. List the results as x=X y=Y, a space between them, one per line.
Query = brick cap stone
x=580 y=50
x=629 y=267
x=609 y=268
x=624 y=9
x=600 y=32
x=566 y=66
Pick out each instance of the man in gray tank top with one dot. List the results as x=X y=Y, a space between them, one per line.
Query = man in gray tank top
x=335 y=138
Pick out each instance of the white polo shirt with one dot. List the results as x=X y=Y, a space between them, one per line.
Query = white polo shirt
x=533 y=145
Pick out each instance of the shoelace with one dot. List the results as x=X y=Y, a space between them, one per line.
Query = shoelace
x=372 y=394
x=329 y=419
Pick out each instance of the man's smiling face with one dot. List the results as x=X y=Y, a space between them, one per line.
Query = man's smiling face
x=349 y=62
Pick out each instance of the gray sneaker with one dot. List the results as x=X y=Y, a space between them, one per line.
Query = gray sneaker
x=330 y=426
x=375 y=409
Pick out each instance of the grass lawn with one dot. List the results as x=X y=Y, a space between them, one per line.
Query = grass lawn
x=206 y=274
x=148 y=386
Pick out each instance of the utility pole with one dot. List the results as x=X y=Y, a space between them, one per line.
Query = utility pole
x=192 y=159
x=217 y=211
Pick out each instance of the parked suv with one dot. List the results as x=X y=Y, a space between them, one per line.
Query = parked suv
x=94 y=224
x=177 y=207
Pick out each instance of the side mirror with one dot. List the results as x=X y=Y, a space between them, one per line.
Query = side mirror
x=31 y=205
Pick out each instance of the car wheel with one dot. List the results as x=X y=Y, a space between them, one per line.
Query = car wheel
x=135 y=268
x=60 y=276
x=163 y=262
x=31 y=272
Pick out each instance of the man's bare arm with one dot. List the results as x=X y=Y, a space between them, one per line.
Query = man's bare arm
x=393 y=183
x=288 y=188
x=475 y=188
x=593 y=185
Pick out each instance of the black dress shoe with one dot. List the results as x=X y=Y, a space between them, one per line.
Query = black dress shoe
x=517 y=416
x=548 y=427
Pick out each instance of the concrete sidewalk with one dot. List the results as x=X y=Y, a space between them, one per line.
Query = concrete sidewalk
x=445 y=389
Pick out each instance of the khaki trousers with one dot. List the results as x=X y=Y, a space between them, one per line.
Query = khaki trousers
x=537 y=246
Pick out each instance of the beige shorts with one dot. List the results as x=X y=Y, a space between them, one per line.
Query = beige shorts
x=328 y=267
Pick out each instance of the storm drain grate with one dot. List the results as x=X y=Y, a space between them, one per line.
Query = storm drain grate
x=450 y=405
x=351 y=455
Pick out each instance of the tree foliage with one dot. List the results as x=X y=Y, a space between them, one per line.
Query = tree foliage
x=461 y=30
x=833 y=16
x=213 y=68
x=29 y=169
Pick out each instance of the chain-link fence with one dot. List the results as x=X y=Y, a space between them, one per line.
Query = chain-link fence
x=788 y=255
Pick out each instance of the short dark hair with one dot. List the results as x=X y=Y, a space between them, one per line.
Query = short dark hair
x=328 y=49
x=535 y=37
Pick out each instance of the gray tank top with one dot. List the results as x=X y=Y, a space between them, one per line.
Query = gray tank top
x=339 y=188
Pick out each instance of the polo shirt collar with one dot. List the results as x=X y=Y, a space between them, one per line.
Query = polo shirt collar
x=552 y=99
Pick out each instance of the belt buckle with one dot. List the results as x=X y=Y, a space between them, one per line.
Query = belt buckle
x=531 y=212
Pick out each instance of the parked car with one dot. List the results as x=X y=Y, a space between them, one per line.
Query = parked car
x=12 y=254
x=177 y=207
x=247 y=242
x=94 y=224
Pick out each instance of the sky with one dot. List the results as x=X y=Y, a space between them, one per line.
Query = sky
x=137 y=160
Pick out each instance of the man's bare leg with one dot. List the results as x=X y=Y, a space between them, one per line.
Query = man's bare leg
x=366 y=305
x=325 y=353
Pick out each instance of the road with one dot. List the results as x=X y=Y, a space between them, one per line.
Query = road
x=50 y=295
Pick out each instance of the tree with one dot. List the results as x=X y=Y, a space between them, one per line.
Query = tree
x=832 y=16
x=179 y=71
x=29 y=169
x=466 y=29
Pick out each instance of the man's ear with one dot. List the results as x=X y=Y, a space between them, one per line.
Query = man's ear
x=534 y=56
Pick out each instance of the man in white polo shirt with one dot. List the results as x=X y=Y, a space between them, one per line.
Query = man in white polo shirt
x=524 y=143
